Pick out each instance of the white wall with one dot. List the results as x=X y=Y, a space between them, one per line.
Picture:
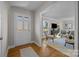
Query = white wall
x=13 y=11
x=0 y=31
x=78 y=27
x=38 y=22
x=4 y=17
x=69 y=20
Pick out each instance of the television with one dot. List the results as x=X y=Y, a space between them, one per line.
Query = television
x=54 y=25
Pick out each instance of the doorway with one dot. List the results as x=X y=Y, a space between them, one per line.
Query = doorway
x=70 y=30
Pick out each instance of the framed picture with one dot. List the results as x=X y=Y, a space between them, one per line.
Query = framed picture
x=68 y=26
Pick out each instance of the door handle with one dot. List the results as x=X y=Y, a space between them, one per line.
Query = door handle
x=0 y=38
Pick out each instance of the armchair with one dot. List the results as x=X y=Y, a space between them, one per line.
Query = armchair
x=69 y=40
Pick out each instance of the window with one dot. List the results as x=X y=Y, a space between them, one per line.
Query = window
x=22 y=23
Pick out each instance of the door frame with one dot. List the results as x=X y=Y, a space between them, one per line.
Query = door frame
x=19 y=14
x=76 y=25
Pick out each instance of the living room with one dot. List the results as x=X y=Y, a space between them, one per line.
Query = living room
x=59 y=27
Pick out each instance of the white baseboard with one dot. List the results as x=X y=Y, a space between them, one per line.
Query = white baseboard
x=8 y=49
x=6 y=52
x=12 y=46
x=38 y=44
x=32 y=42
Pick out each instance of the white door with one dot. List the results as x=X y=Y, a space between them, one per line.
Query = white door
x=3 y=28
x=0 y=36
x=22 y=30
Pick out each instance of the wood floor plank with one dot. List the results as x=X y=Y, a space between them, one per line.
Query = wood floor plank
x=42 y=52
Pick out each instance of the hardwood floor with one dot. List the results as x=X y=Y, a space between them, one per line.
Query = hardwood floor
x=42 y=52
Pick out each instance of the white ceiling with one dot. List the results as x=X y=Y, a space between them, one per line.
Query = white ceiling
x=61 y=10
x=29 y=5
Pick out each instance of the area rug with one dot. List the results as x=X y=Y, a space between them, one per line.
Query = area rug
x=59 y=45
x=28 y=52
